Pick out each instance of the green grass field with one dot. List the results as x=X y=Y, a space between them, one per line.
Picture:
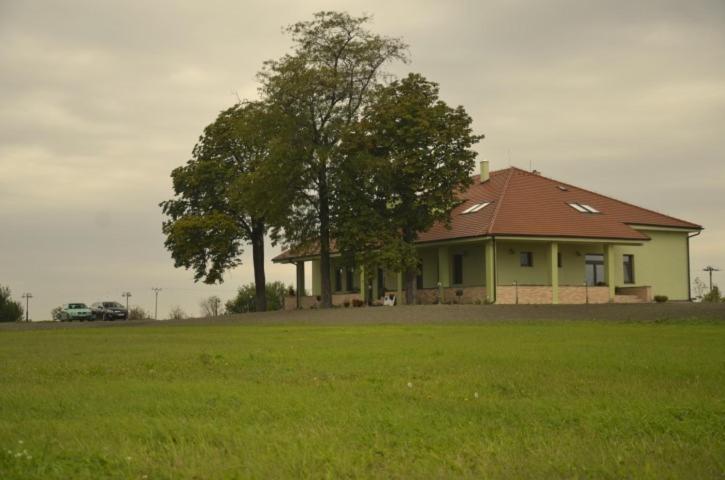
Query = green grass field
x=500 y=400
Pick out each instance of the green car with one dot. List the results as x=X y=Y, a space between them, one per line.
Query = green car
x=74 y=311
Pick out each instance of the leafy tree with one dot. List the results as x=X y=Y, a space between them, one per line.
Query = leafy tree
x=220 y=202
x=322 y=87
x=10 y=310
x=245 y=301
x=138 y=313
x=408 y=158
x=211 y=306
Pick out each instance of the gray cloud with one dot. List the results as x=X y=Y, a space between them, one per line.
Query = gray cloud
x=99 y=101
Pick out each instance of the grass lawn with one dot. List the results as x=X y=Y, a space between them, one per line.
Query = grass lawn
x=499 y=400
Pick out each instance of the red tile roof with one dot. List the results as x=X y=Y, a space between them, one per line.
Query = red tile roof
x=529 y=204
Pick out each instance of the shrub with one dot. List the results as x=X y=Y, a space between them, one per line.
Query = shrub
x=177 y=313
x=661 y=298
x=245 y=301
x=138 y=313
x=713 y=295
x=356 y=302
x=211 y=306
x=346 y=303
x=10 y=310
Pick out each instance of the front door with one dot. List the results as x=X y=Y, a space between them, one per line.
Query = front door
x=594 y=269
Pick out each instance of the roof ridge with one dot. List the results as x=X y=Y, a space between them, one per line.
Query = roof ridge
x=499 y=203
x=610 y=198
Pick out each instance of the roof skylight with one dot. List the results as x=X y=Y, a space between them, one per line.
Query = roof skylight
x=475 y=207
x=583 y=208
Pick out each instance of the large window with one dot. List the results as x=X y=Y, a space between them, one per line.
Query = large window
x=527 y=259
x=628 y=261
x=595 y=269
x=457 y=269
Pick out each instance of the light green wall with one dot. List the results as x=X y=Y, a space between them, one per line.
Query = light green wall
x=429 y=257
x=509 y=269
x=316 y=282
x=660 y=263
x=474 y=269
x=572 y=271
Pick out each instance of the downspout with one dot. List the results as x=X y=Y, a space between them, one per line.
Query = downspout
x=689 y=282
x=495 y=270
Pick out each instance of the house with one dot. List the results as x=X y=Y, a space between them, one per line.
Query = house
x=520 y=237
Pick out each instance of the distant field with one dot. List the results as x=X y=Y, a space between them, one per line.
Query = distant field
x=573 y=399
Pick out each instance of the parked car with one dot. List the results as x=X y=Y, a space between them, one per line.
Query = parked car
x=109 y=311
x=74 y=311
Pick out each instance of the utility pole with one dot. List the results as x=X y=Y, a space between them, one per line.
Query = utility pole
x=27 y=297
x=156 y=303
x=126 y=294
x=710 y=269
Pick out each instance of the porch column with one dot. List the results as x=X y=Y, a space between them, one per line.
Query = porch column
x=488 y=257
x=300 y=283
x=399 y=286
x=609 y=275
x=363 y=285
x=444 y=273
x=554 y=271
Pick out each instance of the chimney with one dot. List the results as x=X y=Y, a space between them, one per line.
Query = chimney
x=484 y=170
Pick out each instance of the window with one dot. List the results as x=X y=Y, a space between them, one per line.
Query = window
x=457 y=269
x=583 y=208
x=475 y=207
x=628 y=261
x=349 y=278
x=558 y=259
x=527 y=259
x=338 y=279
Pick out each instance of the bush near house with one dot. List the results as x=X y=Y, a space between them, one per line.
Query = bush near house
x=661 y=298
x=713 y=295
x=245 y=302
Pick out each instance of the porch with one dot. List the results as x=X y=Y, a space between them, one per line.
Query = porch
x=504 y=270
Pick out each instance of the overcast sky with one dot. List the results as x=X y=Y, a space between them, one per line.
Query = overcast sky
x=99 y=101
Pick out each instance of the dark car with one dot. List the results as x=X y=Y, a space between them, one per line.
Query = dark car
x=109 y=311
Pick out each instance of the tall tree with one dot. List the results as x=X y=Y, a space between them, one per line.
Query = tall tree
x=10 y=310
x=218 y=205
x=405 y=162
x=323 y=85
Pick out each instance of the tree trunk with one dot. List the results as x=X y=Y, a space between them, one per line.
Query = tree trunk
x=260 y=281
x=411 y=274
x=325 y=285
